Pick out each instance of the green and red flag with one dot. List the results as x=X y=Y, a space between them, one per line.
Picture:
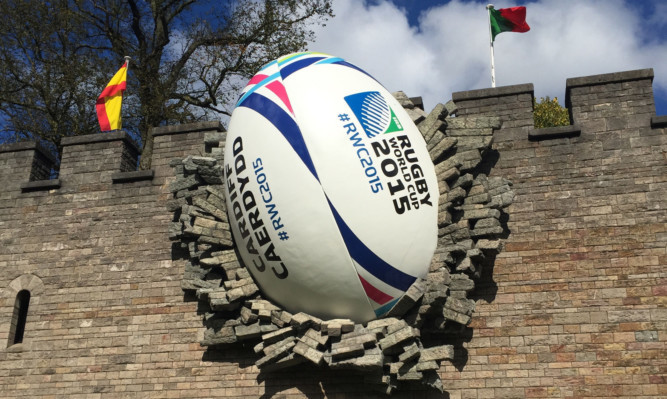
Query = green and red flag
x=511 y=19
x=109 y=103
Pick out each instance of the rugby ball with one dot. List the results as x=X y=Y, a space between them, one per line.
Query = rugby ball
x=331 y=194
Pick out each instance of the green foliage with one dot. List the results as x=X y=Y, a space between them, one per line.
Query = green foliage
x=189 y=59
x=548 y=113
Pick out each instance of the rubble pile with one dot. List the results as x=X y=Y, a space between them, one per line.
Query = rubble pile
x=388 y=350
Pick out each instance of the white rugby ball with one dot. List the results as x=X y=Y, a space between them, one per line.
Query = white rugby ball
x=331 y=193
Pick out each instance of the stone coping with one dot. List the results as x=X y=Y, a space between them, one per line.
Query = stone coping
x=605 y=78
x=132 y=176
x=556 y=132
x=100 y=138
x=186 y=128
x=493 y=92
x=609 y=78
x=27 y=146
x=658 y=121
x=20 y=146
x=40 y=185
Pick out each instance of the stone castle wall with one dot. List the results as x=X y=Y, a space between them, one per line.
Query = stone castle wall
x=575 y=305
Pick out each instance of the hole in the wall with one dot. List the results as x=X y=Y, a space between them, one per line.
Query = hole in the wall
x=19 y=318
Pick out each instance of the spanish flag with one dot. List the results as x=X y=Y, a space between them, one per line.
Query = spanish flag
x=110 y=101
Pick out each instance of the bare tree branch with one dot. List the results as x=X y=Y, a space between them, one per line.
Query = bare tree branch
x=189 y=58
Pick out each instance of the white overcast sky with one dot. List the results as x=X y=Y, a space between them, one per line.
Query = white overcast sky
x=431 y=48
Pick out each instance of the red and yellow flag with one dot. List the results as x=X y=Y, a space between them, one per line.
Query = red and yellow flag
x=109 y=102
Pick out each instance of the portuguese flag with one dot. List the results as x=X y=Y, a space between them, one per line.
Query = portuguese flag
x=511 y=19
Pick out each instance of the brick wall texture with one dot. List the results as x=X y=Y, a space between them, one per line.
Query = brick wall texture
x=574 y=306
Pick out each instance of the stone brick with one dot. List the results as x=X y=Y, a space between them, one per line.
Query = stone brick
x=309 y=353
x=432 y=122
x=318 y=337
x=248 y=332
x=464 y=306
x=303 y=321
x=336 y=327
x=275 y=352
x=403 y=100
x=371 y=361
x=380 y=326
x=646 y=336
x=461 y=283
x=409 y=299
x=225 y=335
x=426 y=365
x=452 y=315
x=341 y=351
x=286 y=362
x=277 y=335
x=622 y=316
x=410 y=352
x=389 y=343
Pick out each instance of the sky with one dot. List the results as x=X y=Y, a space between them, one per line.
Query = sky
x=432 y=48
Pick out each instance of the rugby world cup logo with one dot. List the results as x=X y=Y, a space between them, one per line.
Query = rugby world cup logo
x=374 y=114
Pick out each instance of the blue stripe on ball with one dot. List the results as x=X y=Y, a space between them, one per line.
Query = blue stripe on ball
x=285 y=125
x=385 y=308
x=287 y=70
x=367 y=259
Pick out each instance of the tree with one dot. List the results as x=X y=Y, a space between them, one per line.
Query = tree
x=548 y=113
x=48 y=77
x=189 y=58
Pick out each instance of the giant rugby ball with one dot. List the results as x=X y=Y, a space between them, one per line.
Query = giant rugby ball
x=331 y=193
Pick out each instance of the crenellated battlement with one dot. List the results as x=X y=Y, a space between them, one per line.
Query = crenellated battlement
x=597 y=103
x=513 y=104
x=625 y=99
x=102 y=159
x=24 y=162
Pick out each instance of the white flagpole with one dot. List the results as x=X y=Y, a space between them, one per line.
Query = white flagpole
x=493 y=68
x=127 y=70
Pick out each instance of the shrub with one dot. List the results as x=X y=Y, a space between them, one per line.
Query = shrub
x=548 y=113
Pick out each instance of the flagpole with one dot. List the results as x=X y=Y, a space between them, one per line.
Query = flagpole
x=127 y=70
x=493 y=68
